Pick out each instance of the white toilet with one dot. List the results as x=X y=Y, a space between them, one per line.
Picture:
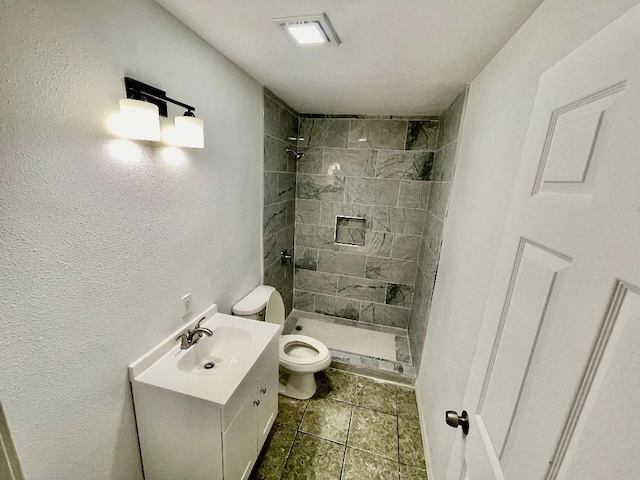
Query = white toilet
x=300 y=356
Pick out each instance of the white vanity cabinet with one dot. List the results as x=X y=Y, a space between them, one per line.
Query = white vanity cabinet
x=200 y=426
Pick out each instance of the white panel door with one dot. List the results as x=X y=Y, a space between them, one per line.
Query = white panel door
x=555 y=385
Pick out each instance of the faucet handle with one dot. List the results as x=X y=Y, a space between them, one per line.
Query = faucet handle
x=184 y=340
x=199 y=322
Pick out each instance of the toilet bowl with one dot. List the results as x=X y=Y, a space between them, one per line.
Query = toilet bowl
x=300 y=356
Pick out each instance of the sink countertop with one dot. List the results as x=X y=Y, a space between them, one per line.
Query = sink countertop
x=159 y=367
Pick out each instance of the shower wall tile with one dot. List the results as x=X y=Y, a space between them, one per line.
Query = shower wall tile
x=439 y=199
x=317 y=282
x=341 y=263
x=407 y=220
x=376 y=217
x=414 y=194
x=338 y=307
x=362 y=289
x=422 y=135
x=306 y=258
x=444 y=163
x=404 y=164
x=378 y=134
x=321 y=187
x=372 y=191
x=399 y=295
x=323 y=132
x=433 y=233
x=312 y=160
x=406 y=246
x=391 y=270
x=349 y=235
x=387 y=315
x=349 y=162
x=304 y=301
x=452 y=121
x=280 y=132
x=375 y=243
x=308 y=211
x=316 y=237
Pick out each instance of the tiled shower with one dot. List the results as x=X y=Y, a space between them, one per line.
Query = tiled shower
x=365 y=208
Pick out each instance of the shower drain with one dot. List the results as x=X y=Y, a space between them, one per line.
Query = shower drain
x=209 y=365
x=298 y=327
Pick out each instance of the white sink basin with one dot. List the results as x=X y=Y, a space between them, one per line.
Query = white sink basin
x=233 y=349
x=217 y=354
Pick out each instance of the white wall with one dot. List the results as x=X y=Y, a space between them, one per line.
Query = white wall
x=495 y=124
x=99 y=239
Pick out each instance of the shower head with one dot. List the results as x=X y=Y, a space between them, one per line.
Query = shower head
x=296 y=156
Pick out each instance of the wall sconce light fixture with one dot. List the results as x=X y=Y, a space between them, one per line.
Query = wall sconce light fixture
x=140 y=117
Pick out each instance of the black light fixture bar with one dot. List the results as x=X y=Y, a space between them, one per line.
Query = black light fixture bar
x=141 y=91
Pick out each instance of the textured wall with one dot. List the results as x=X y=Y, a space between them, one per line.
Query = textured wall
x=377 y=168
x=100 y=237
x=280 y=132
x=441 y=177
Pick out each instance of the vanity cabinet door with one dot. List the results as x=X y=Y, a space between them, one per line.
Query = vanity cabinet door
x=239 y=442
x=267 y=409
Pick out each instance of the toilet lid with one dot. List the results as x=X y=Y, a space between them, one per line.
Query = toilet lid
x=302 y=340
x=275 y=309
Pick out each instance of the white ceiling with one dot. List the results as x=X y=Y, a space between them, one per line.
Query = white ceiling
x=398 y=57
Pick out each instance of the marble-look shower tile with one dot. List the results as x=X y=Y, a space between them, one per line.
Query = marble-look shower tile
x=275 y=155
x=287 y=126
x=286 y=187
x=327 y=419
x=362 y=289
x=378 y=134
x=369 y=424
x=428 y=262
x=311 y=281
x=403 y=353
x=275 y=218
x=414 y=194
x=453 y=120
x=291 y=212
x=338 y=307
x=349 y=162
x=341 y=263
x=314 y=458
x=316 y=237
x=321 y=187
x=270 y=191
x=308 y=211
x=439 y=199
x=271 y=112
x=372 y=191
x=409 y=221
x=360 y=465
x=399 y=295
x=410 y=442
x=422 y=135
x=306 y=258
x=391 y=270
x=407 y=165
x=444 y=163
x=269 y=252
x=387 y=315
x=433 y=233
x=406 y=246
x=304 y=301
x=323 y=132
x=375 y=243
x=312 y=160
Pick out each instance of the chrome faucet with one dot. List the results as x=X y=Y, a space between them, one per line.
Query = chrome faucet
x=191 y=337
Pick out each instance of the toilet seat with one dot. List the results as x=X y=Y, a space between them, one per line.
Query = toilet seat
x=304 y=364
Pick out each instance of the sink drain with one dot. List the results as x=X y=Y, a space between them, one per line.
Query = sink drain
x=209 y=365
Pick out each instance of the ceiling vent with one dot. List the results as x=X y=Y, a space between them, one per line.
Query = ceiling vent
x=309 y=30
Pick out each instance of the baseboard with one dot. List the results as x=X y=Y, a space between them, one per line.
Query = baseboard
x=423 y=430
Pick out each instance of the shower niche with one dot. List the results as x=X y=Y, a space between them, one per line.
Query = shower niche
x=350 y=231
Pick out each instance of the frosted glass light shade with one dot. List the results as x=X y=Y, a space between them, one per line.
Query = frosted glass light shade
x=307 y=33
x=189 y=132
x=139 y=120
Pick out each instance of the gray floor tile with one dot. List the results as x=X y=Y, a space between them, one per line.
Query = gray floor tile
x=327 y=419
x=314 y=458
x=407 y=405
x=336 y=385
x=273 y=457
x=290 y=412
x=359 y=465
x=376 y=395
x=411 y=473
x=410 y=442
x=374 y=432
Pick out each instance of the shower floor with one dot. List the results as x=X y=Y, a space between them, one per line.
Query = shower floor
x=354 y=346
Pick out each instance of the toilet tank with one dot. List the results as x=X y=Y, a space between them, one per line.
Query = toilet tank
x=263 y=302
